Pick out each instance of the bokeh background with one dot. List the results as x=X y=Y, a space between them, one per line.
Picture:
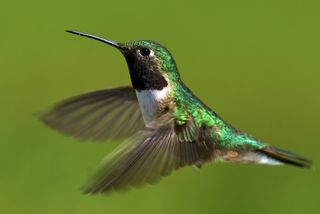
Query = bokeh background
x=254 y=62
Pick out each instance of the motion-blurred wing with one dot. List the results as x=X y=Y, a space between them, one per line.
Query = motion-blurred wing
x=100 y=115
x=154 y=152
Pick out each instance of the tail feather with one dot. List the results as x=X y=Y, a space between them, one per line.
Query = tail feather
x=285 y=157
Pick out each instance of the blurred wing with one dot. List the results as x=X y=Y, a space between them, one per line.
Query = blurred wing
x=150 y=154
x=99 y=115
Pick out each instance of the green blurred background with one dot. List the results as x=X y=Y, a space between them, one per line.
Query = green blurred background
x=254 y=62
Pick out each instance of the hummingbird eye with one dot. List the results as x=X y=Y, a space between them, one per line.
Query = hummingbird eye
x=146 y=52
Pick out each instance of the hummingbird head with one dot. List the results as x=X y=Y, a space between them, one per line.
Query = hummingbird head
x=151 y=65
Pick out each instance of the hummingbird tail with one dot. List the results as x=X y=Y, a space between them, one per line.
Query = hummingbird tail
x=284 y=157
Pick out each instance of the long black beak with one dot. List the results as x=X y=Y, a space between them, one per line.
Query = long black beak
x=109 y=42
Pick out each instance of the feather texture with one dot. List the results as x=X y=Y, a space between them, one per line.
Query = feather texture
x=154 y=152
x=99 y=115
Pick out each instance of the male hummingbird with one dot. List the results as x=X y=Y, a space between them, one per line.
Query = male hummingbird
x=167 y=125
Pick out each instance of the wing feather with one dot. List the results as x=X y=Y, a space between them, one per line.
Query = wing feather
x=100 y=115
x=150 y=154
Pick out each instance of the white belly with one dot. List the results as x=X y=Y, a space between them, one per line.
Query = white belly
x=149 y=101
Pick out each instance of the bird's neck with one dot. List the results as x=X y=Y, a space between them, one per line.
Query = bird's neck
x=152 y=102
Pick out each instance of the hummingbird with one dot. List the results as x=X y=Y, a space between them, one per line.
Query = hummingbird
x=163 y=124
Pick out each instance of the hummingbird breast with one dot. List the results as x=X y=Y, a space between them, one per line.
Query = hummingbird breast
x=152 y=102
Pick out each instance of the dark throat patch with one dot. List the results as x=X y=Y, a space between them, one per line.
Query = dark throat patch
x=145 y=73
